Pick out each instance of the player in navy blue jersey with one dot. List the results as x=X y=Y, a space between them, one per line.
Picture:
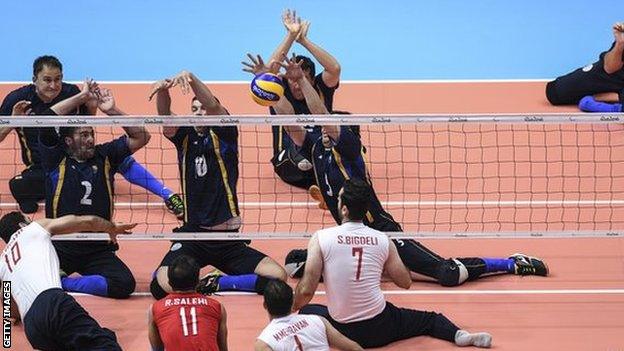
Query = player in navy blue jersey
x=337 y=155
x=592 y=85
x=287 y=162
x=208 y=165
x=79 y=181
x=48 y=89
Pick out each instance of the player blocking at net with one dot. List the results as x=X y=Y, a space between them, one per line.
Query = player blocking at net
x=79 y=181
x=48 y=89
x=52 y=319
x=338 y=156
x=208 y=165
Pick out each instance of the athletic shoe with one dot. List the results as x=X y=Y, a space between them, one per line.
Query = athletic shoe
x=209 y=284
x=295 y=263
x=315 y=193
x=175 y=205
x=527 y=265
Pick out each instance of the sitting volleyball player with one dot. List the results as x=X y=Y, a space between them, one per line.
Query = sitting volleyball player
x=337 y=157
x=352 y=257
x=288 y=331
x=47 y=90
x=53 y=320
x=596 y=85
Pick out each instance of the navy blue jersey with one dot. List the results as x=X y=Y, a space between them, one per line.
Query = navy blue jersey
x=28 y=137
x=82 y=188
x=281 y=139
x=342 y=161
x=208 y=165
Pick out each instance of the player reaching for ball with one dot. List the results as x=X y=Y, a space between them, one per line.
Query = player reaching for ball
x=208 y=165
x=287 y=161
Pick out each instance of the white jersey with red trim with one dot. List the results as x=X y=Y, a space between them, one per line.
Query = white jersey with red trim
x=30 y=263
x=296 y=332
x=354 y=256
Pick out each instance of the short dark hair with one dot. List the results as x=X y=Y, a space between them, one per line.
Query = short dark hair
x=354 y=128
x=66 y=132
x=183 y=273
x=46 y=60
x=10 y=223
x=278 y=298
x=356 y=196
x=307 y=64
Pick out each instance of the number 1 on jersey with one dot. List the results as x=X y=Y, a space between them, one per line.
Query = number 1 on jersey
x=359 y=251
x=16 y=256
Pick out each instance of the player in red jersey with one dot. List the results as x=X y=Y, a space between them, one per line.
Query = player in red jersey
x=184 y=319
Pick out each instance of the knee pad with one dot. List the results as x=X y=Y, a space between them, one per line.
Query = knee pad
x=452 y=273
x=157 y=291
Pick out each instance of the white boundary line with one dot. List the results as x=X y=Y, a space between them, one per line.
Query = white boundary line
x=363 y=81
x=446 y=292
x=584 y=203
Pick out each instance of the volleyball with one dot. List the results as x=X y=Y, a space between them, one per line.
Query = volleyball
x=266 y=89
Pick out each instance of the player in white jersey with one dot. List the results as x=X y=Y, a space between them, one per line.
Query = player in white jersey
x=53 y=320
x=351 y=258
x=296 y=332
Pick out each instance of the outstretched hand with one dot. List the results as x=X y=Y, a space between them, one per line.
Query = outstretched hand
x=257 y=65
x=183 y=79
x=120 y=228
x=161 y=85
x=293 y=68
x=291 y=21
x=106 y=101
x=618 y=32
x=303 y=33
x=21 y=108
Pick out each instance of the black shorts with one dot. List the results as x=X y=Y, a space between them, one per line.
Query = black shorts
x=392 y=324
x=29 y=185
x=230 y=257
x=56 y=321
x=589 y=80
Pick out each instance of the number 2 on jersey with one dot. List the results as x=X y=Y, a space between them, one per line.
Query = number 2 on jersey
x=88 y=189
x=185 y=330
x=358 y=251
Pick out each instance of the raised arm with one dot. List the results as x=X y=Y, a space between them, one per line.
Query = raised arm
x=137 y=136
x=313 y=100
x=187 y=79
x=311 y=276
x=331 y=72
x=395 y=268
x=89 y=88
x=76 y=224
x=613 y=59
x=163 y=102
x=293 y=27
x=152 y=332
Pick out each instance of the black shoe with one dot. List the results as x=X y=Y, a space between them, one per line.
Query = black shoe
x=29 y=206
x=209 y=284
x=295 y=263
x=527 y=265
x=175 y=205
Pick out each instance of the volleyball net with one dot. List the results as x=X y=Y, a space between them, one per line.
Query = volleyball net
x=437 y=175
